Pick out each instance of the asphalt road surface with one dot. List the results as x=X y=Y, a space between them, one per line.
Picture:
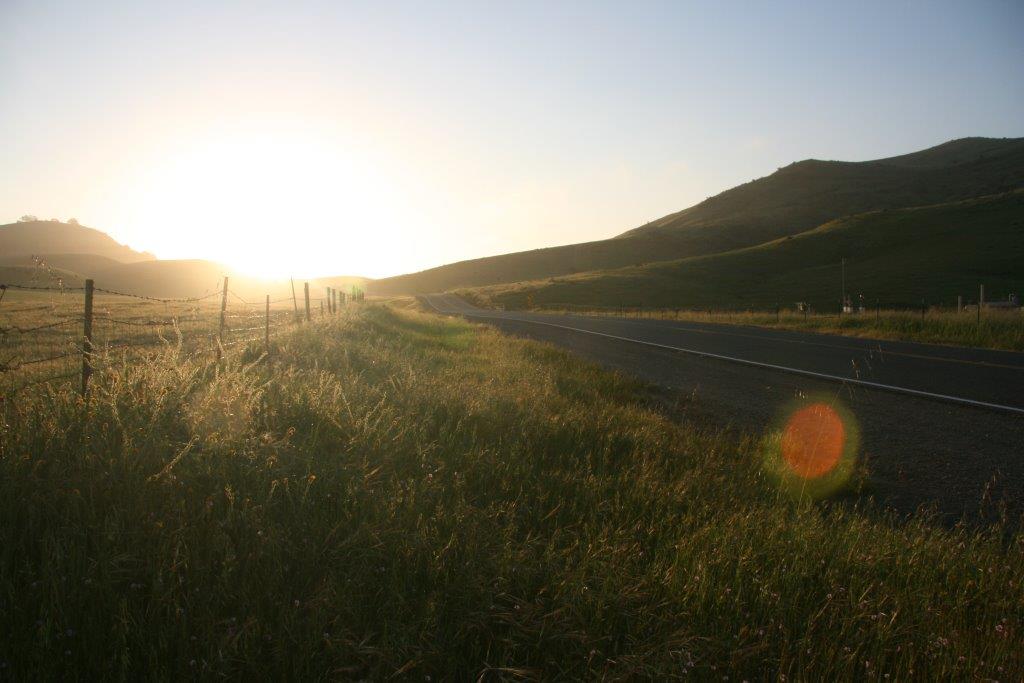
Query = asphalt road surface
x=941 y=427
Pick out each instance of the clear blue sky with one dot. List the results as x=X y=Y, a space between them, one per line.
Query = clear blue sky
x=397 y=136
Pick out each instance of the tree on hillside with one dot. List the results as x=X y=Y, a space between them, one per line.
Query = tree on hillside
x=27 y=218
x=72 y=221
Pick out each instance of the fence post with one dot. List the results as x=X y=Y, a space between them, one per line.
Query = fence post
x=266 y=327
x=295 y=304
x=981 y=300
x=308 y=316
x=922 y=309
x=87 y=338
x=959 y=303
x=223 y=318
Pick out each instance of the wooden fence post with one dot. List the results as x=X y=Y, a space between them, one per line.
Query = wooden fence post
x=266 y=327
x=87 y=338
x=223 y=318
x=295 y=304
x=981 y=300
x=308 y=316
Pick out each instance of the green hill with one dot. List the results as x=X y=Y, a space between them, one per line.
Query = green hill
x=792 y=200
x=897 y=257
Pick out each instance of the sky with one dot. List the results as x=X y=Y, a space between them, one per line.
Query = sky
x=315 y=138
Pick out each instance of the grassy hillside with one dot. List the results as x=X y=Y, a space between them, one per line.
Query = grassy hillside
x=393 y=494
x=808 y=193
x=796 y=198
x=896 y=257
x=54 y=237
x=76 y=263
x=34 y=276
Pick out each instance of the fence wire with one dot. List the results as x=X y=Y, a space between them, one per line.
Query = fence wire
x=42 y=327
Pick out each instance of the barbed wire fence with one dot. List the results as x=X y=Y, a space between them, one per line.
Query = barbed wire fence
x=54 y=333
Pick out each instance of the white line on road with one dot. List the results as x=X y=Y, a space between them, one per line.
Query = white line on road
x=770 y=366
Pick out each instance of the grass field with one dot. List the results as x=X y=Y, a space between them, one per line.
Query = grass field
x=41 y=332
x=395 y=494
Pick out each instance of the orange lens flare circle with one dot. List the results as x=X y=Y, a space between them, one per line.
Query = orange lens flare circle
x=813 y=441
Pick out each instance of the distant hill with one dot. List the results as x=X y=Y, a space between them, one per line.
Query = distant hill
x=898 y=257
x=46 y=253
x=53 y=237
x=790 y=201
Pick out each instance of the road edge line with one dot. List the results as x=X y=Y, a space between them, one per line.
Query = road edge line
x=770 y=366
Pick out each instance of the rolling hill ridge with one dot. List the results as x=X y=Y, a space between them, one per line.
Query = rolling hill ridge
x=897 y=257
x=43 y=254
x=41 y=238
x=790 y=201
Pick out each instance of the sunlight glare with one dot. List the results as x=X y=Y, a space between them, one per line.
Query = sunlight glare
x=270 y=202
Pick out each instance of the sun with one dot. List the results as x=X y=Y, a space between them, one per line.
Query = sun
x=269 y=201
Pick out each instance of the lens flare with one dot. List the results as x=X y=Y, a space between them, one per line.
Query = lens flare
x=812 y=443
x=813 y=451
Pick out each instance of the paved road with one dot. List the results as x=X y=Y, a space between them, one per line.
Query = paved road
x=941 y=426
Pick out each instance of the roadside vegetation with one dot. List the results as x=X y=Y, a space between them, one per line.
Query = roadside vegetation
x=994 y=329
x=390 y=493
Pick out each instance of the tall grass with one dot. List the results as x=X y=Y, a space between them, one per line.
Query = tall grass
x=390 y=493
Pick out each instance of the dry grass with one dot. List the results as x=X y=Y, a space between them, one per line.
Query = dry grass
x=391 y=493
